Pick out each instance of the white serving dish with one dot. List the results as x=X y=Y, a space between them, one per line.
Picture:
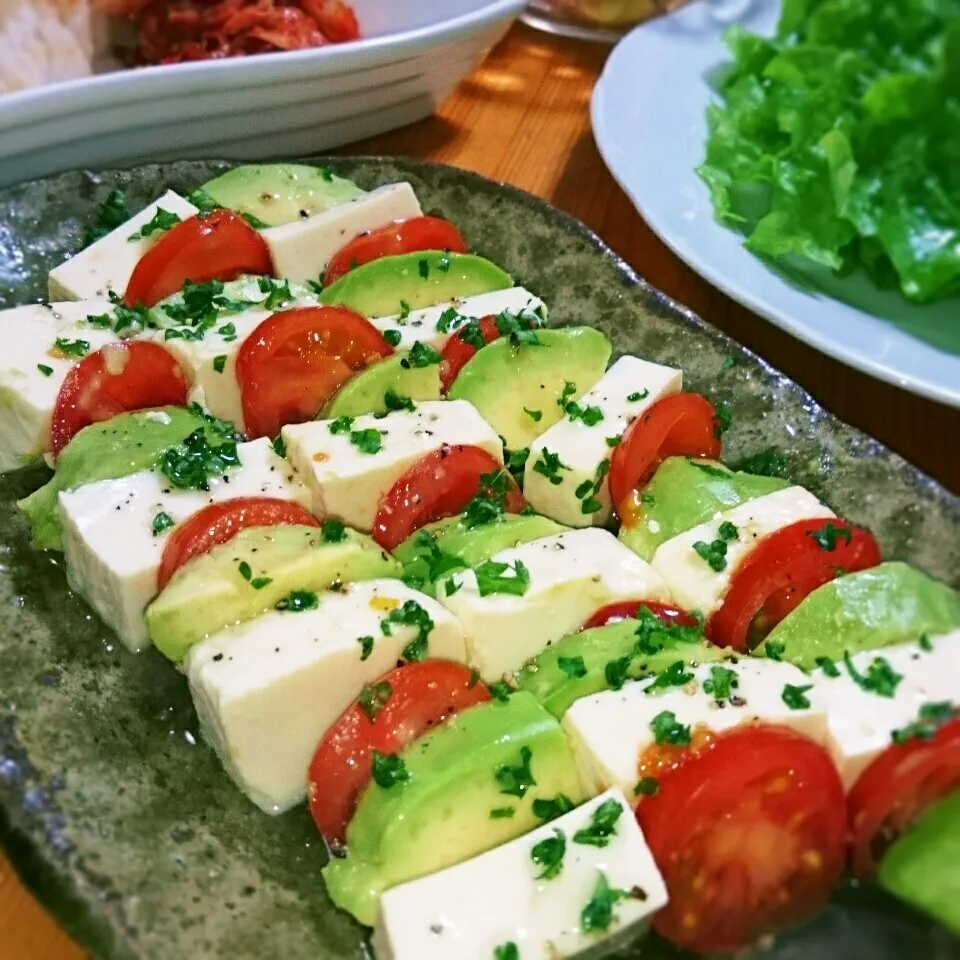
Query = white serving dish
x=413 y=54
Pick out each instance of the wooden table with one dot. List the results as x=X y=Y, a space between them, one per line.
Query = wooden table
x=523 y=118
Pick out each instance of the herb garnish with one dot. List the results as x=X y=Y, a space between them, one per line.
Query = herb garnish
x=597 y=915
x=492 y=578
x=516 y=780
x=44 y=369
x=603 y=825
x=673 y=676
x=74 y=349
x=411 y=614
x=667 y=729
x=647 y=787
x=722 y=682
x=366 y=646
x=880 y=677
x=547 y=809
x=826 y=538
x=299 y=601
x=374 y=698
x=638 y=396
x=548 y=854
x=333 y=531
x=368 y=441
x=388 y=770
x=930 y=718
x=420 y=355
x=715 y=553
x=766 y=463
x=393 y=337
x=113 y=213
x=506 y=951
x=397 y=401
x=573 y=667
x=615 y=672
x=220 y=362
x=162 y=522
x=192 y=464
x=549 y=466
x=502 y=813
x=796 y=697
x=829 y=668
x=162 y=220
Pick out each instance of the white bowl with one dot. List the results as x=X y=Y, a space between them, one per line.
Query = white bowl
x=413 y=54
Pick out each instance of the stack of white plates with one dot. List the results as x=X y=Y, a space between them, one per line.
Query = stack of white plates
x=413 y=54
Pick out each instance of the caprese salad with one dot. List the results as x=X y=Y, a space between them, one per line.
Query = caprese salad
x=545 y=668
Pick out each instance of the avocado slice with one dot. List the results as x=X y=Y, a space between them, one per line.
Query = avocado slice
x=470 y=545
x=685 y=492
x=557 y=688
x=890 y=603
x=503 y=380
x=277 y=193
x=209 y=593
x=118 y=447
x=369 y=391
x=440 y=815
x=921 y=867
x=413 y=281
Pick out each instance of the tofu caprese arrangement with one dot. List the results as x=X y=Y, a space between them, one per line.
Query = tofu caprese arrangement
x=546 y=670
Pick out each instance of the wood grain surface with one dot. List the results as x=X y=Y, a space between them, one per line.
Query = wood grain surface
x=522 y=118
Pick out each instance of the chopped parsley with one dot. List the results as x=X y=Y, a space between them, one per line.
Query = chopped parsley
x=880 y=677
x=373 y=698
x=829 y=668
x=653 y=635
x=930 y=718
x=500 y=691
x=44 y=369
x=721 y=683
x=340 y=425
x=368 y=441
x=199 y=308
x=388 y=770
x=614 y=441
x=535 y=415
x=220 y=362
x=589 y=416
x=366 y=646
x=492 y=578
x=333 y=531
x=673 y=676
x=796 y=697
x=424 y=268
x=411 y=614
x=667 y=729
x=506 y=951
x=489 y=503
x=573 y=667
x=587 y=491
x=279 y=446
x=191 y=464
x=729 y=362
x=162 y=220
x=404 y=311
x=597 y=915
x=548 y=855
x=520 y=328
x=228 y=331
x=722 y=419
x=516 y=462
x=925 y=643
x=299 y=601
x=277 y=293
x=826 y=538
x=438 y=561
x=638 y=396
x=647 y=787
x=162 y=522
x=113 y=213
x=766 y=463
x=393 y=337
x=420 y=355
x=774 y=649
x=74 y=349
x=549 y=465
x=548 y=809
x=258 y=583
x=603 y=825
x=516 y=780
x=502 y=813
x=616 y=672
x=449 y=320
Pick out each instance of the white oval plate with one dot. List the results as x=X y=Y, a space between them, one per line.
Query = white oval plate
x=413 y=54
x=649 y=120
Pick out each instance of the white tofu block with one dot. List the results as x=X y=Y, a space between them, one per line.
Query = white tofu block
x=571 y=576
x=422 y=324
x=582 y=449
x=610 y=731
x=695 y=585
x=111 y=552
x=861 y=723
x=302 y=250
x=108 y=264
x=27 y=393
x=467 y=911
x=267 y=690
x=348 y=483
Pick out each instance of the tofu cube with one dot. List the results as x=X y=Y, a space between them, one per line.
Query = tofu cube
x=267 y=690
x=348 y=483
x=622 y=394
x=695 y=585
x=112 y=554
x=108 y=264
x=32 y=370
x=571 y=576
x=302 y=250
x=469 y=910
x=611 y=731
x=423 y=325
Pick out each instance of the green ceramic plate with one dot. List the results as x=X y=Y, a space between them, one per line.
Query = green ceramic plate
x=128 y=829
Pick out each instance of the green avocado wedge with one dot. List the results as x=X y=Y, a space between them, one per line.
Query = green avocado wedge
x=576 y=666
x=126 y=444
x=419 y=280
x=495 y=756
x=869 y=610
x=921 y=867
x=251 y=573
x=684 y=493
x=390 y=384
x=504 y=381
x=278 y=193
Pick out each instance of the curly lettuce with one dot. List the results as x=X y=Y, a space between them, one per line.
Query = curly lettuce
x=838 y=140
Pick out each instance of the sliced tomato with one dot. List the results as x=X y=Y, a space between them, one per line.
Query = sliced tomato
x=666 y=613
x=221 y=522
x=750 y=836
x=781 y=571
x=420 y=696
x=117 y=378
x=402 y=236
x=457 y=351
x=897 y=787
x=295 y=361
x=210 y=246
x=682 y=425
x=439 y=485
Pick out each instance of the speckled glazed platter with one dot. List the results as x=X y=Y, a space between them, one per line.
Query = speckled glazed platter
x=126 y=826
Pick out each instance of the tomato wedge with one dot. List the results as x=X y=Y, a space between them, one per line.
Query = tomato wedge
x=418 y=696
x=898 y=786
x=220 y=522
x=402 y=236
x=750 y=835
x=291 y=365
x=210 y=246
x=666 y=613
x=684 y=424
x=117 y=378
x=439 y=485
x=457 y=351
x=781 y=571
